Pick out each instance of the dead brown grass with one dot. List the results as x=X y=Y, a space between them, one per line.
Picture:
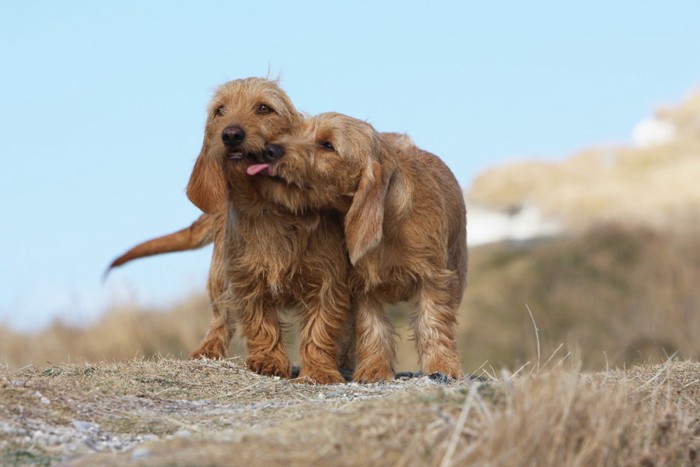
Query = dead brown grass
x=120 y=334
x=174 y=412
x=614 y=295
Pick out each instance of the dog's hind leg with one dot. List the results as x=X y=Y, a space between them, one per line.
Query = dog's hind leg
x=435 y=325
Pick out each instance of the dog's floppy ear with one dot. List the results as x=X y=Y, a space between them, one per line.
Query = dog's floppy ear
x=364 y=219
x=207 y=187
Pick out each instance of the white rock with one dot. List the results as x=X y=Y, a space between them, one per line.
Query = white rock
x=652 y=132
x=140 y=453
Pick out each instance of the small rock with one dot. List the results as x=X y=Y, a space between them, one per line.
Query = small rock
x=440 y=378
x=140 y=453
x=406 y=375
x=43 y=399
x=85 y=426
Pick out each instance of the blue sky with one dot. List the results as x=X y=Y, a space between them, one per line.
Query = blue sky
x=102 y=107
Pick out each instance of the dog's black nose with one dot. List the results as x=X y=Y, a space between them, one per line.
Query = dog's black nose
x=273 y=152
x=233 y=135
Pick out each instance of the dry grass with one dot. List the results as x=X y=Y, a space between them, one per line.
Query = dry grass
x=173 y=412
x=120 y=334
x=615 y=295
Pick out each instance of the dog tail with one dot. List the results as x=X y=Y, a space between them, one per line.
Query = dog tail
x=197 y=235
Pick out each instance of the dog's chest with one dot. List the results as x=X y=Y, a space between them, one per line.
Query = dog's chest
x=270 y=252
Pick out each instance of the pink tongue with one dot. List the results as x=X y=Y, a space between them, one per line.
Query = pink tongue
x=256 y=168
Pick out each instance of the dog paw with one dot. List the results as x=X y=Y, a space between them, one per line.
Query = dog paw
x=212 y=350
x=442 y=374
x=320 y=377
x=373 y=374
x=268 y=366
x=440 y=369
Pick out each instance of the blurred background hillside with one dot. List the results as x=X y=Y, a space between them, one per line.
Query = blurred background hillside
x=600 y=247
x=652 y=183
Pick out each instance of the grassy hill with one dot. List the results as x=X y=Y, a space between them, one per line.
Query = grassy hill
x=615 y=295
x=174 y=412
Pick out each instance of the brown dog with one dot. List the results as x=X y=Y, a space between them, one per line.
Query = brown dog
x=243 y=115
x=273 y=254
x=405 y=231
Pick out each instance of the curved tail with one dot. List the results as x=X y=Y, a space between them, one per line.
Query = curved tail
x=197 y=235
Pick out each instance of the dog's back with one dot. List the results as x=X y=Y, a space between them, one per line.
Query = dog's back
x=437 y=205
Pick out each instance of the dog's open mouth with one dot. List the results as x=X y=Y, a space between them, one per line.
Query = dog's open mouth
x=235 y=155
x=264 y=169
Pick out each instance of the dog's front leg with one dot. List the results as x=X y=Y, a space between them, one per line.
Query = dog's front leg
x=323 y=322
x=223 y=324
x=263 y=333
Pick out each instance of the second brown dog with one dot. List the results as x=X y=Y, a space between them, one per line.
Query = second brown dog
x=404 y=226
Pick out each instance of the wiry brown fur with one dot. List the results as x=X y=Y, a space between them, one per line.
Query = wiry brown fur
x=405 y=231
x=270 y=257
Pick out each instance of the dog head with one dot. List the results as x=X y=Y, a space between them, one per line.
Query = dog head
x=243 y=115
x=332 y=161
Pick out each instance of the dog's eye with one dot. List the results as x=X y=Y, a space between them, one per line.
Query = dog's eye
x=327 y=145
x=263 y=109
x=220 y=110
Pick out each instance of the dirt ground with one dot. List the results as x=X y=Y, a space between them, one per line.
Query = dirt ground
x=182 y=412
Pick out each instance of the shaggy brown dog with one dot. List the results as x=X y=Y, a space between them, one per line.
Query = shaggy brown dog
x=243 y=115
x=405 y=232
x=275 y=253
x=257 y=110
